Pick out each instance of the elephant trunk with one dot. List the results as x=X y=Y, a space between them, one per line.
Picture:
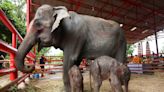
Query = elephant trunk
x=28 y=42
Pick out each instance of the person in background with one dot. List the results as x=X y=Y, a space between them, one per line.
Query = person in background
x=131 y=57
x=148 y=60
x=42 y=61
x=161 y=59
x=141 y=59
x=136 y=59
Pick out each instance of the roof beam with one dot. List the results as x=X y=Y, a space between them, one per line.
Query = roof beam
x=142 y=19
x=77 y=3
x=113 y=5
x=161 y=22
x=134 y=3
x=88 y=6
x=103 y=5
x=115 y=11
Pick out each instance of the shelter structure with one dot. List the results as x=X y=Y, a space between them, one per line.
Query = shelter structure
x=138 y=18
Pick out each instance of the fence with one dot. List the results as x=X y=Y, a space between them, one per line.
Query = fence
x=146 y=68
x=56 y=63
x=11 y=50
x=51 y=63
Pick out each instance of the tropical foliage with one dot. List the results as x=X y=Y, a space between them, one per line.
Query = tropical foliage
x=14 y=12
x=17 y=17
x=130 y=49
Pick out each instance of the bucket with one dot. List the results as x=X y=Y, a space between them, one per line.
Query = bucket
x=36 y=76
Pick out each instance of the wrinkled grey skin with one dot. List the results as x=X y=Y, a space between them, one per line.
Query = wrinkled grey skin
x=76 y=79
x=78 y=36
x=105 y=67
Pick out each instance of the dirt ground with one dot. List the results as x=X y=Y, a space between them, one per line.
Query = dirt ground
x=53 y=83
x=138 y=83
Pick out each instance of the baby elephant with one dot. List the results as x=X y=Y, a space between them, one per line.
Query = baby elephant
x=105 y=67
x=76 y=79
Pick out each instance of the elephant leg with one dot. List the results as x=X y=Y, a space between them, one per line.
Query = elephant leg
x=121 y=53
x=66 y=79
x=69 y=61
x=97 y=83
x=112 y=88
x=126 y=86
x=97 y=86
x=71 y=57
x=115 y=83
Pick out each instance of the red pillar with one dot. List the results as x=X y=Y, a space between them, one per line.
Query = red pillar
x=28 y=18
x=13 y=75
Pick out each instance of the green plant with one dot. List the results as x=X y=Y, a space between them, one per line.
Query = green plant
x=130 y=49
x=17 y=17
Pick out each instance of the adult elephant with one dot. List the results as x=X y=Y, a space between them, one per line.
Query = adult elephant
x=76 y=34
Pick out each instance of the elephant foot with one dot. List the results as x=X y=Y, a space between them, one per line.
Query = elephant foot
x=67 y=89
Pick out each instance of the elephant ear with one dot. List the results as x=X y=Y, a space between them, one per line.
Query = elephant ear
x=60 y=12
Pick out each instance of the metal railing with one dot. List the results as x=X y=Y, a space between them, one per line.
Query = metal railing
x=5 y=47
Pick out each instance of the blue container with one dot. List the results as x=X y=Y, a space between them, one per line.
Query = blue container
x=36 y=75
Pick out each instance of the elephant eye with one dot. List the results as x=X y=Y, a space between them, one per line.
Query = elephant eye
x=37 y=23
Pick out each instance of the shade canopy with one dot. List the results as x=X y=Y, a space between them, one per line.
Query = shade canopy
x=138 y=18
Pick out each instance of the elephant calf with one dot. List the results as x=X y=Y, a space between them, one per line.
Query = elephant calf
x=106 y=67
x=76 y=79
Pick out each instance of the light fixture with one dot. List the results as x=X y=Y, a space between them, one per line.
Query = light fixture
x=121 y=25
x=146 y=30
x=134 y=28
